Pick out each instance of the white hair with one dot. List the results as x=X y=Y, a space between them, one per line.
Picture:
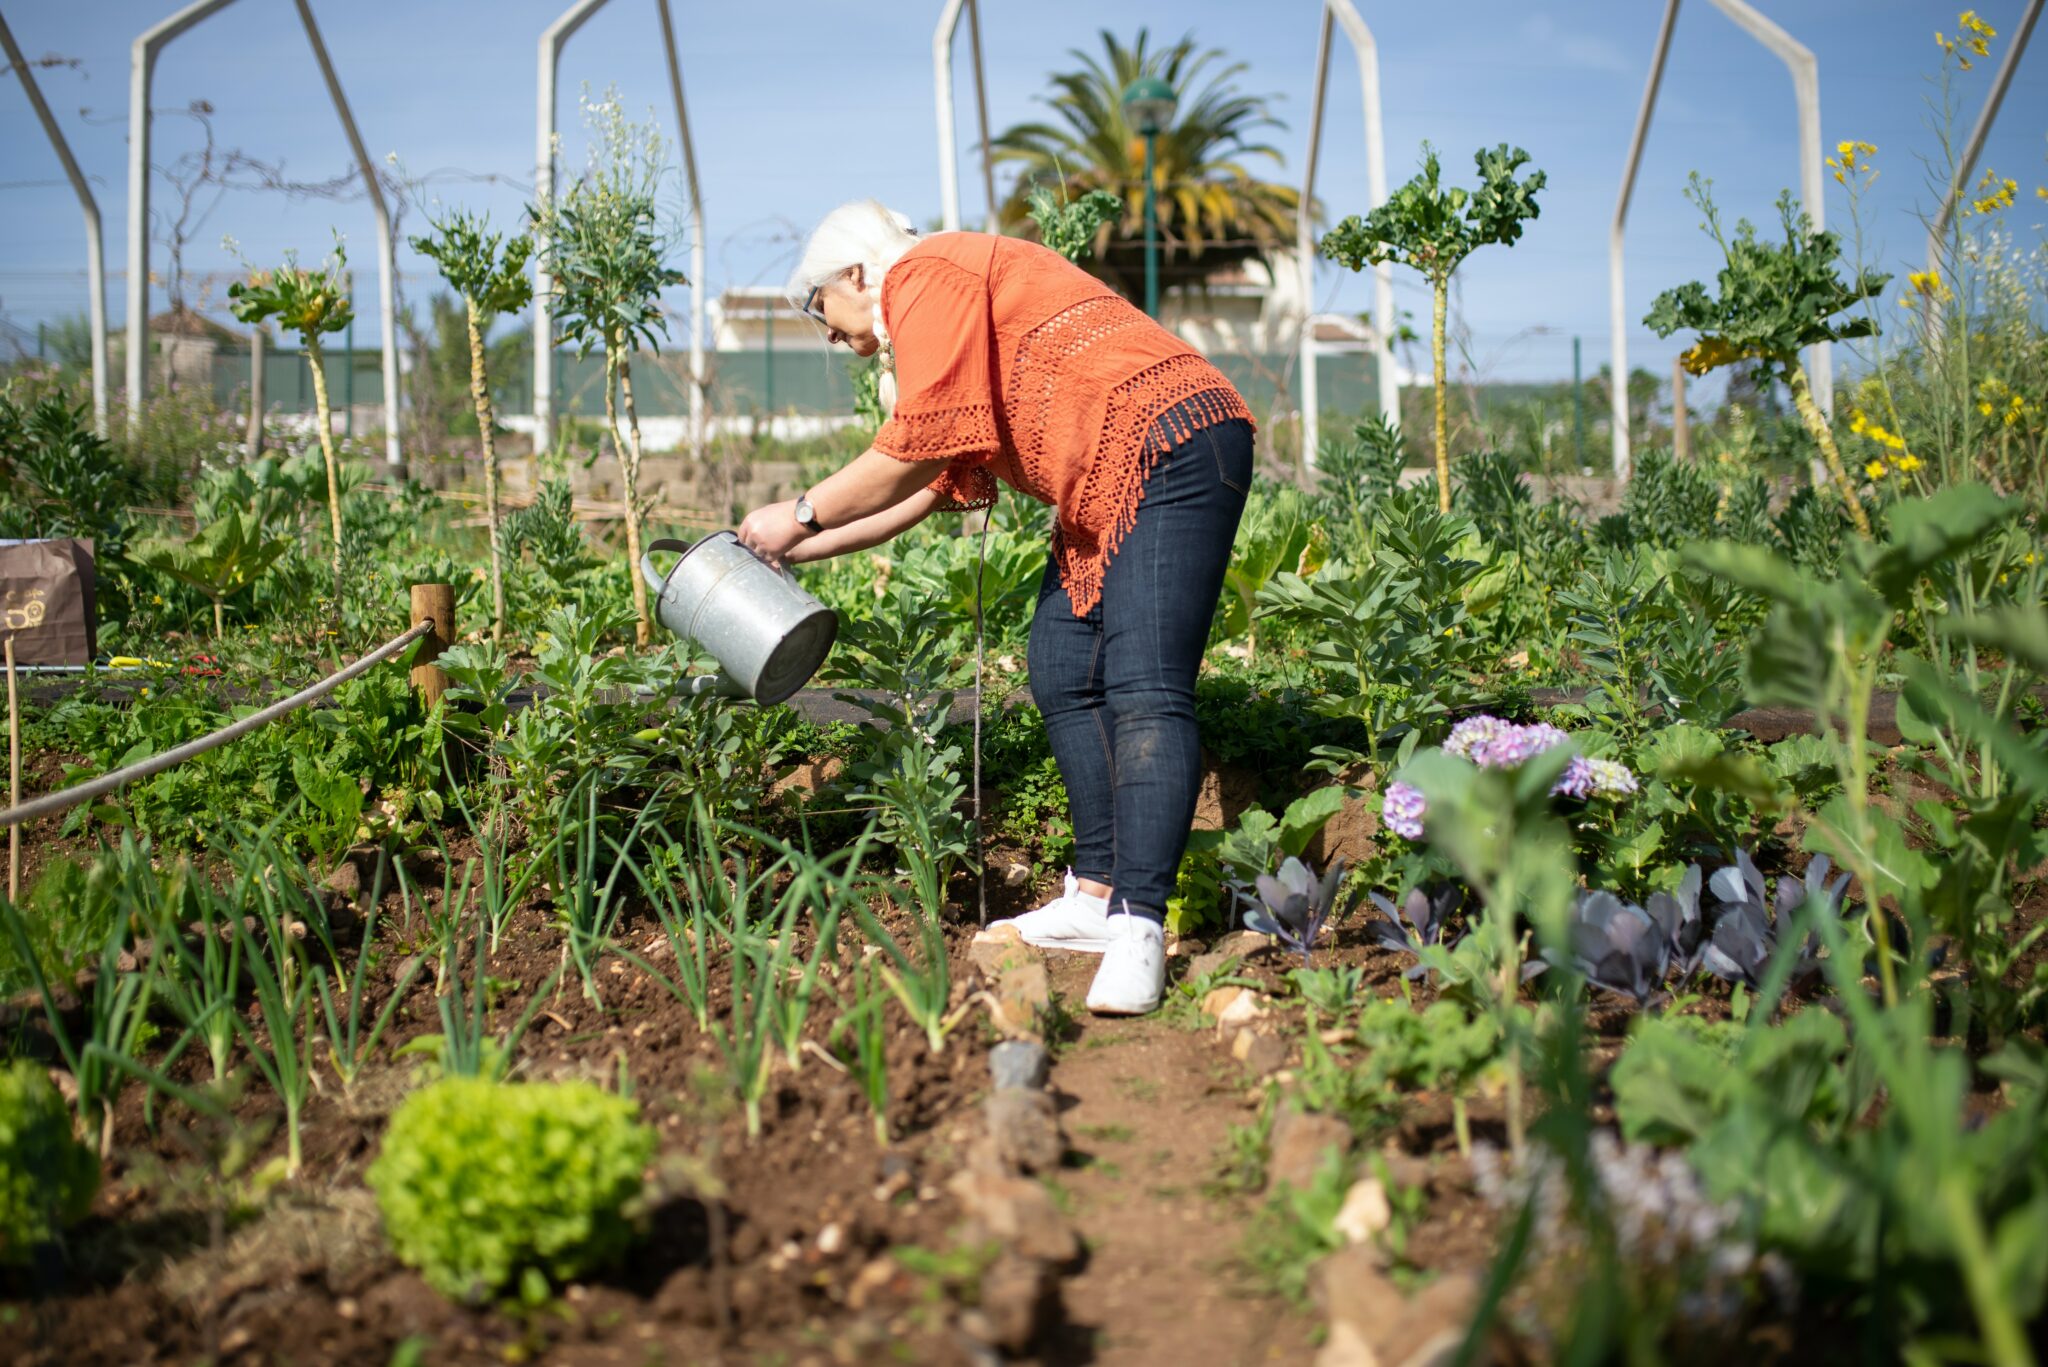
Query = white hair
x=863 y=233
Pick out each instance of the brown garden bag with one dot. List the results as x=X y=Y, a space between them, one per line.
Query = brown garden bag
x=46 y=601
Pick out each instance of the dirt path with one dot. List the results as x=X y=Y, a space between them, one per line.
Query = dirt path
x=1148 y=1105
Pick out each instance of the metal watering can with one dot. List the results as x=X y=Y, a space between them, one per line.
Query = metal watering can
x=767 y=634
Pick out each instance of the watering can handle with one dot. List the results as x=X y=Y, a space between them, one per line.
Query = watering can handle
x=656 y=580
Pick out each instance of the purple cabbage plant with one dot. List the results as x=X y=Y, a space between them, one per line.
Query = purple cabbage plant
x=1427 y=914
x=1746 y=924
x=1294 y=905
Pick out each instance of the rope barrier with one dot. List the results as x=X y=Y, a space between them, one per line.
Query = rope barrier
x=66 y=798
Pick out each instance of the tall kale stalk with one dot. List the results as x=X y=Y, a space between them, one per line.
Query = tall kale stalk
x=489 y=272
x=311 y=303
x=603 y=245
x=1433 y=230
x=1776 y=297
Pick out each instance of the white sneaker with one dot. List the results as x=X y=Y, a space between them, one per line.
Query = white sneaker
x=1074 y=920
x=1133 y=973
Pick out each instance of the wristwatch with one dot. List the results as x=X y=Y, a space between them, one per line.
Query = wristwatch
x=806 y=515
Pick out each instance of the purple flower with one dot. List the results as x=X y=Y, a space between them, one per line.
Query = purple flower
x=1588 y=778
x=1403 y=810
x=1491 y=743
x=1474 y=735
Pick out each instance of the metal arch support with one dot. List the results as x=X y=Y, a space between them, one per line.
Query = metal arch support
x=1799 y=60
x=697 y=248
x=141 y=71
x=1367 y=50
x=552 y=40
x=387 y=261
x=95 y=247
x=141 y=74
x=942 y=85
x=1978 y=132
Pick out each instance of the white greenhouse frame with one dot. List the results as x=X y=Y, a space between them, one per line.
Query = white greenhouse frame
x=95 y=245
x=141 y=73
x=1978 y=132
x=1799 y=60
x=942 y=87
x=1367 y=50
x=552 y=40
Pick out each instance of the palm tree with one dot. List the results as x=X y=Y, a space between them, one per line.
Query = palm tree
x=1213 y=213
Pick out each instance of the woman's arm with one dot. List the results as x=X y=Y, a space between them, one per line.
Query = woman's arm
x=866 y=485
x=871 y=530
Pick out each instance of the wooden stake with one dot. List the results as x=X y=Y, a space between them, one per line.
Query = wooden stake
x=13 y=777
x=1681 y=426
x=434 y=602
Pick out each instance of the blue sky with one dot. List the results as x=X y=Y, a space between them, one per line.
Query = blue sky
x=800 y=104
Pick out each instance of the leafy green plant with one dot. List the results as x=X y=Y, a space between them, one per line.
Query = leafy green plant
x=1775 y=298
x=283 y=987
x=864 y=1031
x=349 y=1045
x=1296 y=1227
x=603 y=247
x=222 y=559
x=482 y=1184
x=312 y=303
x=1069 y=227
x=489 y=272
x=1433 y=230
x=47 y=1178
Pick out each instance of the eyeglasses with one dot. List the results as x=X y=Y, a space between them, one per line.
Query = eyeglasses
x=811 y=306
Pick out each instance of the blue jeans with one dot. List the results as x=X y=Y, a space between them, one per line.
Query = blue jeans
x=1117 y=686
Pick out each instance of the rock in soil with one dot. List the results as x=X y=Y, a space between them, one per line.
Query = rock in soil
x=1353 y=833
x=1258 y=1051
x=1017 y=1211
x=1019 y=1296
x=1366 y=1211
x=1022 y=995
x=1026 y=1129
x=1299 y=1141
x=1019 y=1063
x=1366 y=1309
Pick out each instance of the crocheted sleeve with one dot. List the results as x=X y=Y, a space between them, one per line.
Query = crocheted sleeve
x=966 y=486
x=937 y=316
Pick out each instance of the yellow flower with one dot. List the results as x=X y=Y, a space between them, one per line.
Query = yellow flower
x=1984 y=408
x=1875 y=469
x=1857 y=422
x=1908 y=463
x=1928 y=283
x=2029 y=558
x=1969 y=20
x=1999 y=193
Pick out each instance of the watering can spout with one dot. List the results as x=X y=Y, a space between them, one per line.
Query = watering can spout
x=717 y=685
x=767 y=634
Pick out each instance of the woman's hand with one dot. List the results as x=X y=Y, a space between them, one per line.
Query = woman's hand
x=772 y=532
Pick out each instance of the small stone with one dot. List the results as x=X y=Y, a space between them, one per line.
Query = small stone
x=831 y=1239
x=1365 y=1212
x=1026 y=1129
x=1243 y=1011
x=1299 y=1142
x=1019 y=1063
x=347 y=1308
x=1017 y=1211
x=1021 y=995
x=1346 y=1347
x=1259 y=1051
x=1221 y=1000
x=1016 y=875
x=1018 y=1297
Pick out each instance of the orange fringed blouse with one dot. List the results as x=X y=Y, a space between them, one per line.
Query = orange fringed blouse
x=1022 y=367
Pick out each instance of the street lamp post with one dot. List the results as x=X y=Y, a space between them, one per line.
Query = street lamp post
x=1148 y=107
